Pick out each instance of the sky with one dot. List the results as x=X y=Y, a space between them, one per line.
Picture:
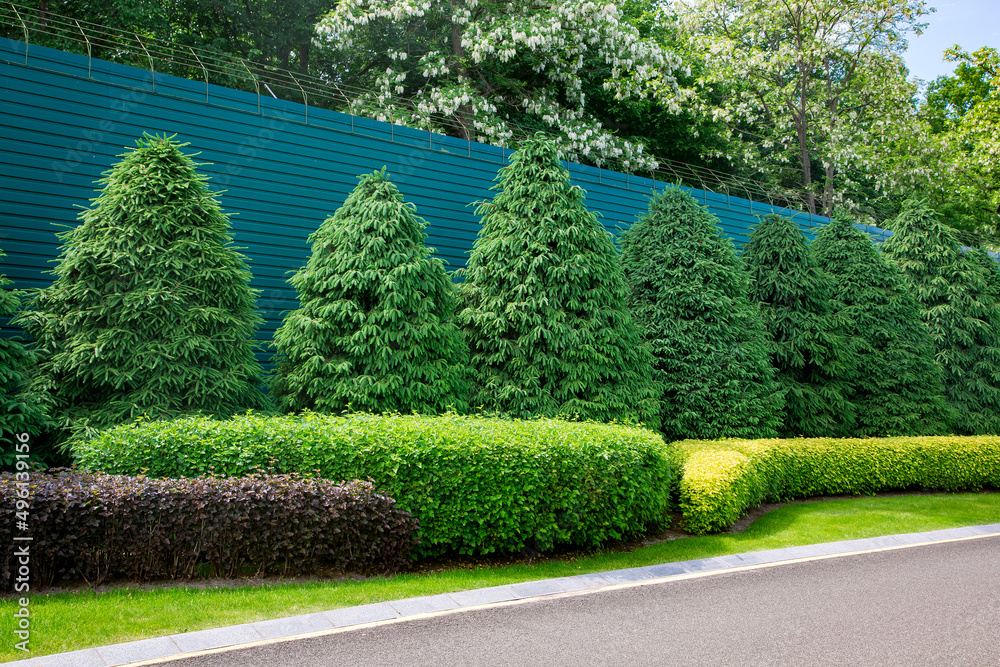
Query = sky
x=972 y=24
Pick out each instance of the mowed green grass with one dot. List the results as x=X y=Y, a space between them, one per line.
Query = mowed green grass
x=70 y=621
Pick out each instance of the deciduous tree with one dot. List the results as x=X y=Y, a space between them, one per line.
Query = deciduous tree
x=812 y=83
x=478 y=69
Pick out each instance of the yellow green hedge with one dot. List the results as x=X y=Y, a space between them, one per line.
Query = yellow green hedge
x=723 y=479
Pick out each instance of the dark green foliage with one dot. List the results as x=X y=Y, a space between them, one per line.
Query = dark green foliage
x=373 y=331
x=20 y=411
x=151 y=311
x=960 y=311
x=475 y=484
x=895 y=384
x=720 y=481
x=689 y=291
x=544 y=303
x=96 y=527
x=805 y=343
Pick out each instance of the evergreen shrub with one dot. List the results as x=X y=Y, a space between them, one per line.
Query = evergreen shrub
x=721 y=480
x=894 y=382
x=97 y=527
x=475 y=484
x=374 y=330
x=689 y=292
x=151 y=311
x=20 y=410
x=960 y=310
x=805 y=342
x=544 y=303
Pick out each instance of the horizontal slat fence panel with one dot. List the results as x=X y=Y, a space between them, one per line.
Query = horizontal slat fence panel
x=282 y=167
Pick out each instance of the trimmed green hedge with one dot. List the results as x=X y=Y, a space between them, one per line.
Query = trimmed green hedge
x=475 y=484
x=722 y=479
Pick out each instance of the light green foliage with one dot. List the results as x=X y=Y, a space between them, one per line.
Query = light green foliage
x=544 y=307
x=960 y=312
x=373 y=331
x=806 y=346
x=689 y=292
x=20 y=411
x=723 y=479
x=817 y=86
x=475 y=484
x=894 y=381
x=151 y=311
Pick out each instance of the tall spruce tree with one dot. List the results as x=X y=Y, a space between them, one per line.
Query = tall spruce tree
x=963 y=320
x=689 y=291
x=20 y=411
x=544 y=303
x=806 y=345
x=151 y=311
x=895 y=384
x=374 y=329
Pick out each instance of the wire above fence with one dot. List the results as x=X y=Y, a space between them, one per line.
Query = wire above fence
x=99 y=42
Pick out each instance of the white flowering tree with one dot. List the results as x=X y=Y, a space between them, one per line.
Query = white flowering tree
x=488 y=70
x=816 y=86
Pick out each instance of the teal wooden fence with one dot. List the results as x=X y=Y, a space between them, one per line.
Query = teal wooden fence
x=284 y=167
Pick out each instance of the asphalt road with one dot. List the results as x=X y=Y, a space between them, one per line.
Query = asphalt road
x=929 y=605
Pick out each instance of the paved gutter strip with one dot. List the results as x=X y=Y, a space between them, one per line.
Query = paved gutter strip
x=161 y=649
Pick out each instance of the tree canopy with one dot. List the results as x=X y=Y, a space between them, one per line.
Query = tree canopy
x=811 y=83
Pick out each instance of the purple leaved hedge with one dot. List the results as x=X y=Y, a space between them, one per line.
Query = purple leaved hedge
x=97 y=527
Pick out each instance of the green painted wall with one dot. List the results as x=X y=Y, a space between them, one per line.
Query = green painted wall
x=284 y=167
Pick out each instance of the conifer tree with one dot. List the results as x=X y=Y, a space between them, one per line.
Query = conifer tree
x=895 y=384
x=374 y=329
x=954 y=295
x=20 y=411
x=689 y=292
x=151 y=311
x=544 y=303
x=805 y=341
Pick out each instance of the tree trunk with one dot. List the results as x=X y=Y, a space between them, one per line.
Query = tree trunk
x=828 y=192
x=463 y=116
x=806 y=164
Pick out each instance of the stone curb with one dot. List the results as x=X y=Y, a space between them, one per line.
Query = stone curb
x=176 y=645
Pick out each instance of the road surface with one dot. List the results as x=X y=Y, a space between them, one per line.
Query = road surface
x=937 y=604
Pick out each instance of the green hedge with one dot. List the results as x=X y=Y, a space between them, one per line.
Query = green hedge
x=475 y=484
x=721 y=480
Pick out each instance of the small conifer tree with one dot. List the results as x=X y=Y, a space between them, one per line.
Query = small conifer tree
x=954 y=295
x=544 y=303
x=805 y=341
x=689 y=292
x=895 y=384
x=374 y=329
x=151 y=311
x=20 y=411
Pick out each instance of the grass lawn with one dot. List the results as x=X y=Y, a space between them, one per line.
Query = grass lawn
x=70 y=621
